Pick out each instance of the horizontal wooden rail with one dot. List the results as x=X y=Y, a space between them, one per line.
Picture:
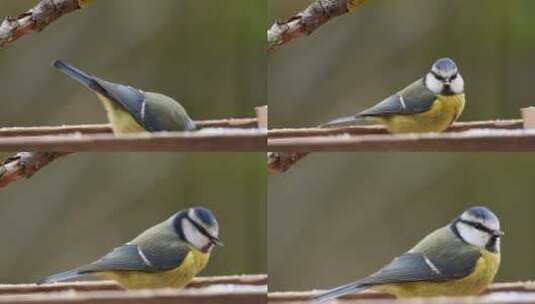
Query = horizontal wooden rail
x=242 y=123
x=211 y=295
x=203 y=140
x=515 y=291
x=291 y=145
x=477 y=140
x=509 y=124
x=201 y=282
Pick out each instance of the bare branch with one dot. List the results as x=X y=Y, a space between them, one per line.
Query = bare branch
x=308 y=20
x=24 y=165
x=37 y=18
x=280 y=162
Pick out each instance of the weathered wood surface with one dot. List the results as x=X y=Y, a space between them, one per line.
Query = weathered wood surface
x=214 y=290
x=505 y=293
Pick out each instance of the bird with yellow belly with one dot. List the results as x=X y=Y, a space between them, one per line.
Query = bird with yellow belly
x=167 y=255
x=430 y=104
x=459 y=259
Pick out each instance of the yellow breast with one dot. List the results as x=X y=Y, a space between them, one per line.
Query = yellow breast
x=473 y=284
x=179 y=277
x=445 y=111
x=121 y=121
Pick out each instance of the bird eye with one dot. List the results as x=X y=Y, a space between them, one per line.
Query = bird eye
x=437 y=76
x=453 y=77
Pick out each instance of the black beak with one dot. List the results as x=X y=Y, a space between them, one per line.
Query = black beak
x=216 y=241
x=498 y=233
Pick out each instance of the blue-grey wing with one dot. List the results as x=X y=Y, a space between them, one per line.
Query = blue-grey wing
x=130 y=98
x=413 y=267
x=130 y=257
x=416 y=98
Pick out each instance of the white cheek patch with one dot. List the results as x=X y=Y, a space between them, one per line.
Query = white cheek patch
x=212 y=230
x=193 y=235
x=457 y=85
x=472 y=235
x=433 y=84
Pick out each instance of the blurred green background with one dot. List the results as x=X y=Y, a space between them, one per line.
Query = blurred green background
x=336 y=217
x=83 y=205
x=209 y=55
x=359 y=59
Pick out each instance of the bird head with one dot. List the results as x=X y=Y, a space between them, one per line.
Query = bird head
x=198 y=226
x=480 y=227
x=444 y=78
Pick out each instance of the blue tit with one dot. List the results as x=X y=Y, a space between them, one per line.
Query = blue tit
x=131 y=110
x=430 y=104
x=459 y=259
x=168 y=255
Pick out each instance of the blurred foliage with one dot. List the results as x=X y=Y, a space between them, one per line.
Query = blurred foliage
x=359 y=59
x=209 y=55
x=336 y=217
x=81 y=206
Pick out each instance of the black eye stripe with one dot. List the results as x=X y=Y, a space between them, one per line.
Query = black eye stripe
x=437 y=76
x=199 y=227
x=478 y=226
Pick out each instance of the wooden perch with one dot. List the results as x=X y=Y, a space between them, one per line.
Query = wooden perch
x=222 y=140
x=37 y=18
x=222 y=295
x=483 y=140
x=214 y=290
x=297 y=143
x=201 y=282
x=524 y=290
x=240 y=123
x=508 y=124
x=308 y=20
x=24 y=165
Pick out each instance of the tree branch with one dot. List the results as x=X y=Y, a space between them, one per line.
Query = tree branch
x=37 y=18
x=308 y=20
x=25 y=165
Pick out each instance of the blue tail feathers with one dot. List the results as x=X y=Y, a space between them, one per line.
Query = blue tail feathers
x=338 y=292
x=60 y=277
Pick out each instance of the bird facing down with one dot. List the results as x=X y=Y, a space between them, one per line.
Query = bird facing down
x=131 y=110
x=459 y=259
x=167 y=255
x=430 y=104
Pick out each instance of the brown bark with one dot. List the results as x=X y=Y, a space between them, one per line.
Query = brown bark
x=37 y=18
x=308 y=20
